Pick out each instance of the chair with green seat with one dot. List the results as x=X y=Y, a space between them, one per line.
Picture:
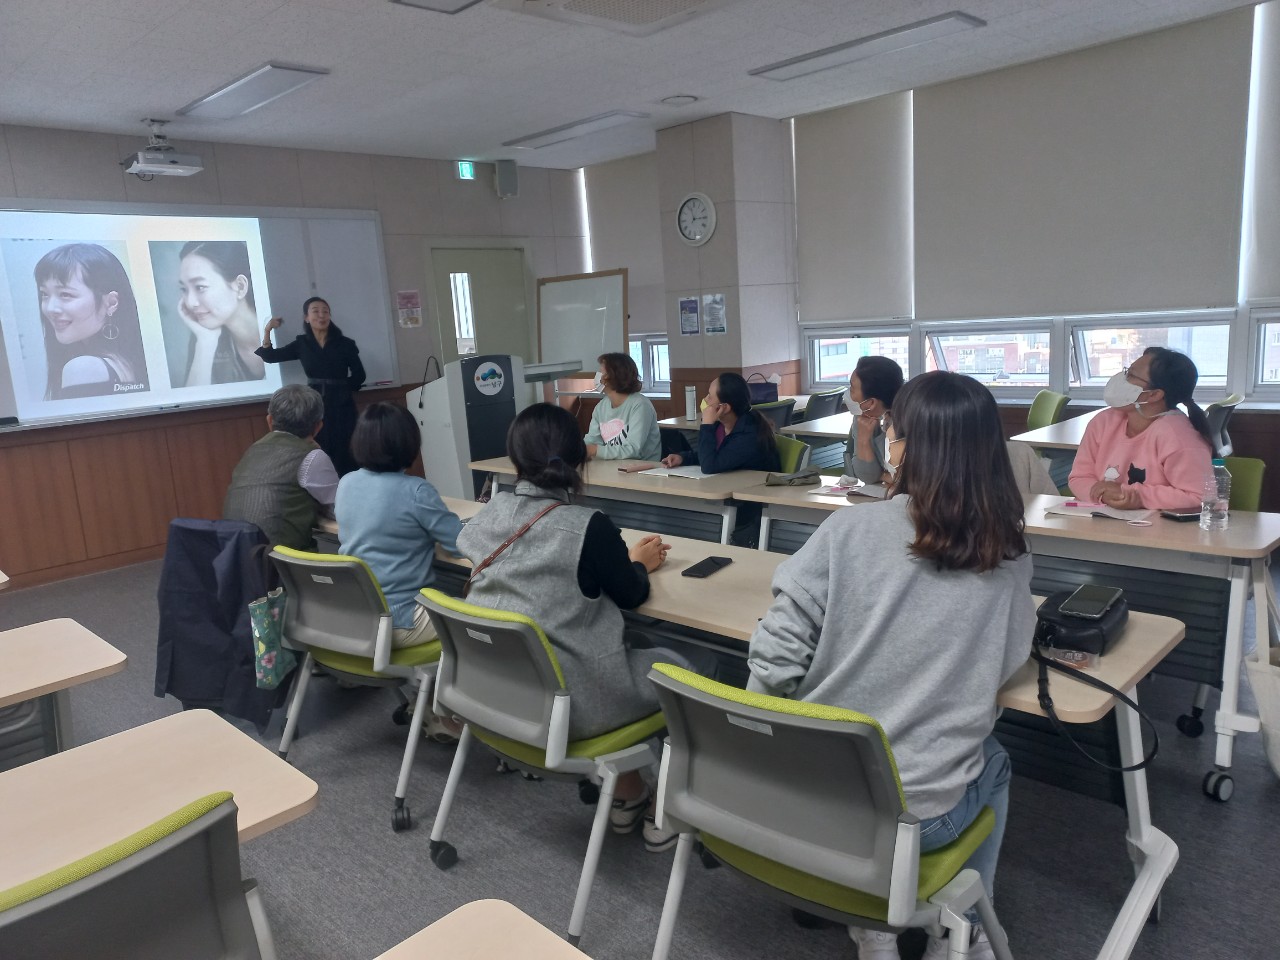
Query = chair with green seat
x=1246 y=482
x=173 y=889
x=1046 y=409
x=337 y=614
x=805 y=799
x=778 y=411
x=793 y=454
x=499 y=674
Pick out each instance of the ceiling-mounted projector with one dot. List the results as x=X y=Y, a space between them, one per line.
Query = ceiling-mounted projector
x=159 y=159
x=164 y=163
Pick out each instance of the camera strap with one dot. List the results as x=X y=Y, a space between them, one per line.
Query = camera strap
x=1045 y=664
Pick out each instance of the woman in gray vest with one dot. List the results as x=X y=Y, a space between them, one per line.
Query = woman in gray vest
x=572 y=572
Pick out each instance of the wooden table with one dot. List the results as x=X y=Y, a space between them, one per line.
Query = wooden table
x=69 y=805
x=834 y=427
x=484 y=930
x=47 y=659
x=798 y=505
x=1064 y=435
x=662 y=504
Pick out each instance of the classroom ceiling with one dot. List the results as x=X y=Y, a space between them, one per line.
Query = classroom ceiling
x=412 y=82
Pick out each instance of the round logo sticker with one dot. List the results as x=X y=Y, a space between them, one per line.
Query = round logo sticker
x=489 y=379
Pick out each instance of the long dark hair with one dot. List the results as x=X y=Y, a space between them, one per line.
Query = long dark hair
x=100 y=271
x=334 y=330
x=229 y=257
x=545 y=444
x=1176 y=374
x=964 y=501
x=732 y=389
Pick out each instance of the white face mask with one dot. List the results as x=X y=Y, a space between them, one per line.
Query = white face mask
x=848 y=401
x=598 y=385
x=891 y=470
x=1119 y=392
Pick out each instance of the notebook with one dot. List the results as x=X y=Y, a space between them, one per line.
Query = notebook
x=693 y=472
x=1081 y=508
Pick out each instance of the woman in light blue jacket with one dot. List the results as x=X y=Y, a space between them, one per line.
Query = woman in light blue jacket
x=624 y=425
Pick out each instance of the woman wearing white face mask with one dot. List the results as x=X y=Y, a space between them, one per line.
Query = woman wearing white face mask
x=624 y=425
x=874 y=383
x=1144 y=452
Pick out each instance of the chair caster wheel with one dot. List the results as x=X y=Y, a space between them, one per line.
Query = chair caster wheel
x=1190 y=725
x=588 y=793
x=401 y=715
x=443 y=854
x=1218 y=785
x=400 y=819
x=708 y=859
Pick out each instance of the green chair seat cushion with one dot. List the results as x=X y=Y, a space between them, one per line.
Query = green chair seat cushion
x=794 y=708
x=605 y=743
x=937 y=869
x=101 y=859
x=414 y=656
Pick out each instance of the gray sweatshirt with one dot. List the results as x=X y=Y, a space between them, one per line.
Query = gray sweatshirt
x=625 y=432
x=858 y=622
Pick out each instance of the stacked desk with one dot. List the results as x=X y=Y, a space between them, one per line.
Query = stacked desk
x=699 y=508
x=1059 y=443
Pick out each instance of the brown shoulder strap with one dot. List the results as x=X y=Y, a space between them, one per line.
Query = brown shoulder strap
x=506 y=543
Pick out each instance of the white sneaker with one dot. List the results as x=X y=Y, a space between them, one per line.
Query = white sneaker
x=979 y=947
x=657 y=840
x=625 y=815
x=874 y=944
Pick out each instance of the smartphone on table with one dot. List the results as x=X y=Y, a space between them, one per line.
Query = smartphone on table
x=1182 y=516
x=1090 y=601
x=705 y=568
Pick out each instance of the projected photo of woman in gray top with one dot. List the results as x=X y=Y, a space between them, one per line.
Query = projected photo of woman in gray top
x=205 y=289
x=92 y=340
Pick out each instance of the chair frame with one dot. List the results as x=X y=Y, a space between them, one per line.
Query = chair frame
x=392 y=675
x=944 y=911
x=552 y=737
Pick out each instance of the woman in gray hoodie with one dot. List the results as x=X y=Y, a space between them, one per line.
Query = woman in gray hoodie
x=915 y=611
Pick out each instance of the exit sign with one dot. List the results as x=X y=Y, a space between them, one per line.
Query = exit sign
x=466 y=170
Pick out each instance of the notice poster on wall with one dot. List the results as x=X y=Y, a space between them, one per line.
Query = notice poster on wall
x=713 y=318
x=689 y=317
x=409 y=307
x=103 y=313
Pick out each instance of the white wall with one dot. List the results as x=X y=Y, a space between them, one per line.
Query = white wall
x=420 y=202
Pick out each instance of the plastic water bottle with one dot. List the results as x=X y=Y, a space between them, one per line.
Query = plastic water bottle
x=1217 y=497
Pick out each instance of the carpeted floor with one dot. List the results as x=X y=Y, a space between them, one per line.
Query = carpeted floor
x=340 y=884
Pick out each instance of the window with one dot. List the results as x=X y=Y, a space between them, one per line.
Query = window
x=464 y=324
x=653 y=360
x=1100 y=349
x=1002 y=358
x=1269 y=354
x=833 y=355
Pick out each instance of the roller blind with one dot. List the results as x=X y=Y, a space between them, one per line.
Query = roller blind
x=1109 y=179
x=1262 y=238
x=622 y=204
x=853 y=210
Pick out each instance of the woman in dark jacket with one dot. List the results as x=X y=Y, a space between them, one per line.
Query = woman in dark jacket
x=332 y=364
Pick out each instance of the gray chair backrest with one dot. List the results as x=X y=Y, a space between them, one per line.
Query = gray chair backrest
x=817 y=795
x=181 y=896
x=779 y=412
x=334 y=602
x=823 y=405
x=494 y=673
x=1219 y=415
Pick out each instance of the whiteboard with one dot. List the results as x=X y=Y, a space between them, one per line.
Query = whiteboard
x=582 y=316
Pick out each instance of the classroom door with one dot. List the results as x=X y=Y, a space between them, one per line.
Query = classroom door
x=481 y=302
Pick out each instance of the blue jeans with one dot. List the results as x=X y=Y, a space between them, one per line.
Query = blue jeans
x=989 y=789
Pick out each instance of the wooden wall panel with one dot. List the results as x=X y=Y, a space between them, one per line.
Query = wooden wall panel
x=201 y=458
x=125 y=490
x=39 y=512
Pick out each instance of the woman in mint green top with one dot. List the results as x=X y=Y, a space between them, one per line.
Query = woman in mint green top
x=624 y=425
x=393 y=521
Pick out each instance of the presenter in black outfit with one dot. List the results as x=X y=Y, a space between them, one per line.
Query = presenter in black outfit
x=332 y=364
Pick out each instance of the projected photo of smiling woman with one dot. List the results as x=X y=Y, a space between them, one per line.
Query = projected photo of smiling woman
x=209 y=315
x=92 y=340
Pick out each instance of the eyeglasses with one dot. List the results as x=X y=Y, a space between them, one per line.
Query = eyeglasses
x=1130 y=376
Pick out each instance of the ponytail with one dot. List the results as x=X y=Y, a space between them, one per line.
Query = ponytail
x=764 y=432
x=1201 y=422
x=546 y=447
x=732 y=390
x=1176 y=375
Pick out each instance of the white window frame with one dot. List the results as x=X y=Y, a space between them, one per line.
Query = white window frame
x=952 y=328
x=1254 y=317
x=828 y=331
x=1075 y=325
x=648 y=341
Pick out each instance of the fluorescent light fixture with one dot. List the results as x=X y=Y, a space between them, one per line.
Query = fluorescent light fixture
x=439 y=6
x=255 y=89
x=899 y=38
x=579 y=128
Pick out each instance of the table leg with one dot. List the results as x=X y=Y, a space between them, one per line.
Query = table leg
x=1227 y=721
x=63 y=732
x=765 y=522
x=729 y=521
x=1153 y=853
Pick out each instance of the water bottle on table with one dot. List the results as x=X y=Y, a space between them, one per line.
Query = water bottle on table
x=1216 y=498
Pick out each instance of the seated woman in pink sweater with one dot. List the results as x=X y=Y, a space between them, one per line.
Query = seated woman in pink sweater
x=1144 y=452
